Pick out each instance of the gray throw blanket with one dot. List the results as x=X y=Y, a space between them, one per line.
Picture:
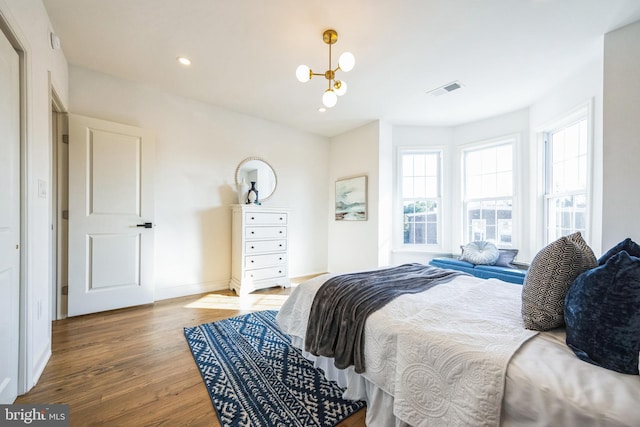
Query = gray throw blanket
x=342 y=304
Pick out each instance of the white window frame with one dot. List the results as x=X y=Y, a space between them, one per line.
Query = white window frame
x=514 y=141
x=582 y=112
x=399 y=205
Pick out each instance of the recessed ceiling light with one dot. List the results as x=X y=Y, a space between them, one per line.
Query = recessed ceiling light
x=184 y=60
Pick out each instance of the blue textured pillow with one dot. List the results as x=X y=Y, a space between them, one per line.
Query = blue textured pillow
x=480 y=252
x=602 y=314
x=506 y=257
x=627 y=244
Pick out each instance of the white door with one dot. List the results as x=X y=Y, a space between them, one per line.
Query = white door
x=9 y=220
x=110 y=201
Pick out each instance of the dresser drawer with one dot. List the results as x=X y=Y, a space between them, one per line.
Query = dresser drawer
x=266 y=233
x=265 y=218
x=262 y=261
x=259 y=246
x=266 y=273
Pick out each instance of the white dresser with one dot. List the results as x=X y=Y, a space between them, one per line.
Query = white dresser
x=259 y=248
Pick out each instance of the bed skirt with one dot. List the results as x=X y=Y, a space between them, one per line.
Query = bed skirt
x=379 y=402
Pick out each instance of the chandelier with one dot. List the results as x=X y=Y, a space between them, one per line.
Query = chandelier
x=336 y=87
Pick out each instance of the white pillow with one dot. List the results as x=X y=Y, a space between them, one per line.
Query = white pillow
x=480 y=252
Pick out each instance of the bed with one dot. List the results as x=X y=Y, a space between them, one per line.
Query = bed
x=458 y=354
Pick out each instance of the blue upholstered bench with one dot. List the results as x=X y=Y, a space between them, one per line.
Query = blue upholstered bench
x=507 y=274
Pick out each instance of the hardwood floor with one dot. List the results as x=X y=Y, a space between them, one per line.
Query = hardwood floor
x=133 y=367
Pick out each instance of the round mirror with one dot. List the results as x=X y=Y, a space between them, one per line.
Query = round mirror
x=255 y=169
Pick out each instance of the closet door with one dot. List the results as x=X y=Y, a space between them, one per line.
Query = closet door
x=111 y=215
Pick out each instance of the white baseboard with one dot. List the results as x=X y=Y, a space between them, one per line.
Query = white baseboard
x=201 y=288
x=190 y=289
x=38 y=367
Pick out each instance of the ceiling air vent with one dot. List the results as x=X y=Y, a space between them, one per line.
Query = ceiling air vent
x=449 y=87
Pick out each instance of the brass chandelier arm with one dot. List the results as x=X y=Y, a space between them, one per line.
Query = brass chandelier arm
x=329 y=37
x=335 y=87
x=330 y=74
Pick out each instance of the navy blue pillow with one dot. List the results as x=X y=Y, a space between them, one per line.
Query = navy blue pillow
x=602 y=314
x=627 y=244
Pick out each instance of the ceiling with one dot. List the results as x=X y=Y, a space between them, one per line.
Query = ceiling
x=244 y=53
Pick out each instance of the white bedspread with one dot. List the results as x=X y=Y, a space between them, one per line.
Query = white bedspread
x=442 y=354
x=546 y=384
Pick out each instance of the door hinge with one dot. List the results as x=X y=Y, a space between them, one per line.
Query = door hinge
x=65 y=290
x=65 y=214
x=65 y=139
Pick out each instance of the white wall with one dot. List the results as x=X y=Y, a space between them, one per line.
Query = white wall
x=28 y=24
x=198 y=149
x=385 y=194
x=353 y=245
x=621 y=204
x=584 y=87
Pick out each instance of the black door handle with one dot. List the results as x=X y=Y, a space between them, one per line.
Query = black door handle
x=145 y=225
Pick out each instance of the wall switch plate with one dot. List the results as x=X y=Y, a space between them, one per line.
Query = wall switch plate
x=42 y=189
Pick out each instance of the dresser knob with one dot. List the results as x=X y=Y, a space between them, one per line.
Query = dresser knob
x=280 y=231
x=252 y=261
x=253 y=232
x=252 y=247
x=253 y=217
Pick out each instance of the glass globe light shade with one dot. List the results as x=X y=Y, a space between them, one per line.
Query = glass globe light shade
x=346 y=61
x=302 y=73
x=329 y=99
x=340 y=87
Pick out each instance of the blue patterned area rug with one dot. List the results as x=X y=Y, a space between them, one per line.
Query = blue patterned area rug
x=256 y=378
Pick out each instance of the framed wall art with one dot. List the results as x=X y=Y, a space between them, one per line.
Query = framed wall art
x=351 y=199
